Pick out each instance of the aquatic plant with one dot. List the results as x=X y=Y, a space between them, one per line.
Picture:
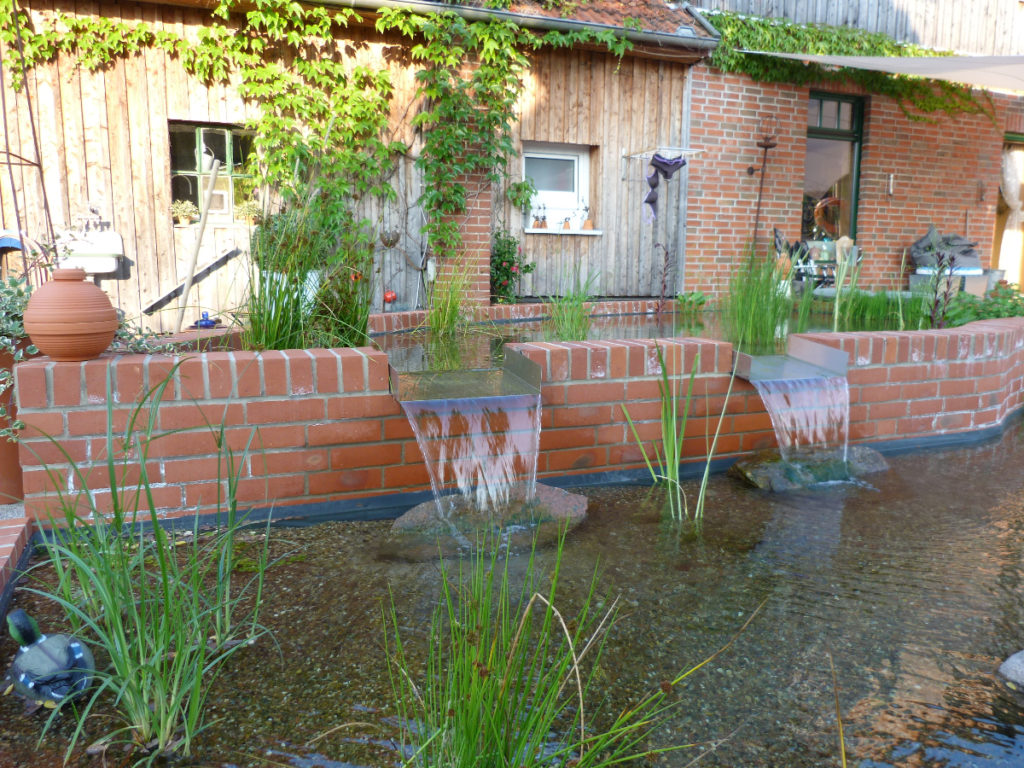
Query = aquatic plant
x=675 y=411
x=690 y=303
x=446 y=306
x=164 y=609
x=509 y=677
x=1002 y=301
x=569 y=314
x=758 y=306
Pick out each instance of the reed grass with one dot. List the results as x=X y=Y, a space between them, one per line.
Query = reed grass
x=667 y=457
x=509 y=678
x=569 y=314
x=165 y=612
x=446 y=309
x=758 y=306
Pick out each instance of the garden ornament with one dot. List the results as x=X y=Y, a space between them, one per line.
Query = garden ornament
x=661 y=167
x=1012 y=672
x=48 y=670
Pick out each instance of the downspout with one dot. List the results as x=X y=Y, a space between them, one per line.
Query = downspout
x=534 y=22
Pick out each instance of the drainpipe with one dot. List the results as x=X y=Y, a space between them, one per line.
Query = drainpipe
x=667 y=39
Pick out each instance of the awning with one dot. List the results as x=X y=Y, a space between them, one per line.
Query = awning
x=998 y=73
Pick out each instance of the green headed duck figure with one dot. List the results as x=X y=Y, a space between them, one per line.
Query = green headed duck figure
x=48 y=670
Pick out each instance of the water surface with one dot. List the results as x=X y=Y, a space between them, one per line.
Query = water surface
x=912 y=586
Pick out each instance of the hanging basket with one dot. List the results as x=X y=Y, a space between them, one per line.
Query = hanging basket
x=70 y=319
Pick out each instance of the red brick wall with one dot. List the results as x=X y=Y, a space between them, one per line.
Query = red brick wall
x=938 y=166
x=721 y=195
x=327 y=428
x=323 y=425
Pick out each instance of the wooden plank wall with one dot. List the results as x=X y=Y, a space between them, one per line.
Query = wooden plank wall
x=622 y=112
x=984 y=27
x=103 y=139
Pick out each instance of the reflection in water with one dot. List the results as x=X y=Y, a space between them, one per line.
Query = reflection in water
x=914 y=587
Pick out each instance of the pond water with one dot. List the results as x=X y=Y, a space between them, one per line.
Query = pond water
x=912 y=585
x=481 y=345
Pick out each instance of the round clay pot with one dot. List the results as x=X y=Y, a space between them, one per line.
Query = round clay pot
x=69 y=319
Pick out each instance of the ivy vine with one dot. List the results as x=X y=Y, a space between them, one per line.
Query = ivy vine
x=322 y=117
x=918 y=98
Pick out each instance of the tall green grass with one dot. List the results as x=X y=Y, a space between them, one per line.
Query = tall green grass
x=310 y=281
x=675 y=409
x=757 y=309
x=446 y=308
x=509 y=679
x=569 y=314
x=165 y=611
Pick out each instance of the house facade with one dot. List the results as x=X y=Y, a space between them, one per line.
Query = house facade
x=112 y=148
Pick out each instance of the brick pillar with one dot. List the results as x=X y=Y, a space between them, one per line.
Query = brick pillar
x=475 y=227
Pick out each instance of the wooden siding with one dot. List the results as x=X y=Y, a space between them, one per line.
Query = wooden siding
x=984 y=27
x=103 y=143
x=622 y=111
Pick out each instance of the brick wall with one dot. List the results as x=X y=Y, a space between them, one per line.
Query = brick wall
x=321 y=425
x=946 y=172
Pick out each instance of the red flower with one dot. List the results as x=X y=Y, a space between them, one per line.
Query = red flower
x=515 y=268
x=356 y=277
x=504 y=282
x=504 y=263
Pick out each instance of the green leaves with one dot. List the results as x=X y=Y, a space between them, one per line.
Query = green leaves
x=917 y=97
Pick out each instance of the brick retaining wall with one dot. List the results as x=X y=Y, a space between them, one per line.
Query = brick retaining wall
x=323 y=425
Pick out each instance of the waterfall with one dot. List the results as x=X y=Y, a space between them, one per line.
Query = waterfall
x=811 y=416
x=485 y=448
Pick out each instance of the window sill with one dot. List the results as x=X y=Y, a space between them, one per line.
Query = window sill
x=546 y=231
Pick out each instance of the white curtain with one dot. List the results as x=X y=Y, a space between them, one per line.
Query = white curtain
x=1012 y=183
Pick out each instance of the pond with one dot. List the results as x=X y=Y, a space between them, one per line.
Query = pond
x=481 y=345
x=912 y=585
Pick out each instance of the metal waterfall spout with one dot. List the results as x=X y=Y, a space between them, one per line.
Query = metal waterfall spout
x=479 y=434
x=478 y=431
x=807 y=396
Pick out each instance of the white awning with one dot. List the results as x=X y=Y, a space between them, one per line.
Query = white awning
x=997 y=73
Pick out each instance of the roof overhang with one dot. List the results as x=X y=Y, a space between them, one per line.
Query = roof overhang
x=683 y=40
x=994 y=73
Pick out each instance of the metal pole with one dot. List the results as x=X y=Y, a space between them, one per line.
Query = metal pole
x=195 y=249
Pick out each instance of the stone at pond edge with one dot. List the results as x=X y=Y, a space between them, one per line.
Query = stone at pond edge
x=1012 y=672
x=421 y=534
x=768 y=471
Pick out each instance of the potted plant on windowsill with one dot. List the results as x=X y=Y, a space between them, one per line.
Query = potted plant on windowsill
x=249 y=212
x=184 y=211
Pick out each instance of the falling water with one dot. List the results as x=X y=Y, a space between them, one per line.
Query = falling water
x=479 y=433
x=811 y=416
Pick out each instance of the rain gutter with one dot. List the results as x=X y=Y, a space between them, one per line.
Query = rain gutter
x=530 y=21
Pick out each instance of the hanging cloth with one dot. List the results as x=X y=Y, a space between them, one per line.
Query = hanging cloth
x=660 y=166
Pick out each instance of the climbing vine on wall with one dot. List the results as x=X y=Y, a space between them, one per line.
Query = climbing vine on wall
x=320 y=113
x=918 y=98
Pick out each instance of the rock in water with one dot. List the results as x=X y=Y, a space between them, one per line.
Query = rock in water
x=422 y=533
x=767 y=470
x=1012 y=672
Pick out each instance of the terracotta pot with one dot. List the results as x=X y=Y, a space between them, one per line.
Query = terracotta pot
x=69 y=319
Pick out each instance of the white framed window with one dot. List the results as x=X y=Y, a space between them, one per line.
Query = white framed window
x=561 y=175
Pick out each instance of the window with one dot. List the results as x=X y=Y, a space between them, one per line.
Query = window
x=832 y=166
x=193 y=150
x=561 y=175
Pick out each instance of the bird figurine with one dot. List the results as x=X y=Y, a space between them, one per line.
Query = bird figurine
x=48 y=670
